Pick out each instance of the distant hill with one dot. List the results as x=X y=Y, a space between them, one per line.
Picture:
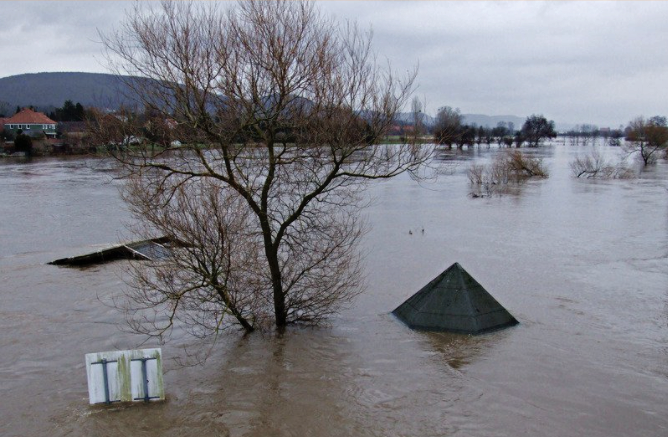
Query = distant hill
x=407 y=118
x=46 y=91
x=49 y=90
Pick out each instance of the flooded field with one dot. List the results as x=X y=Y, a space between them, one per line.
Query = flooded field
x=582 y=264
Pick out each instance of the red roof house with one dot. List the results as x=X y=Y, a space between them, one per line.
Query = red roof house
x=31 y=123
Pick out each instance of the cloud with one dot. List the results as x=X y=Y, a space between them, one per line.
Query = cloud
x=580 y=62
x=55 y=36
x=526 y=57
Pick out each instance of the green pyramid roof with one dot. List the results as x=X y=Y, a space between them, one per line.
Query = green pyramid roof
x=455 y=302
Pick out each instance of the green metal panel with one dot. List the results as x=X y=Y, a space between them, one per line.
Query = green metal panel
x=454 y=301
x=33 y=129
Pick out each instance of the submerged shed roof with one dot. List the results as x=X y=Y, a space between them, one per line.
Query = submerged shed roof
x=454 y=301
x=156 y=248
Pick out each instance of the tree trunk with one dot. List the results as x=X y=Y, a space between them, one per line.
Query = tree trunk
x=271 y=254
x=279 y=297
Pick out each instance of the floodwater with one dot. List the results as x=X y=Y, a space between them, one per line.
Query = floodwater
x=582 y=264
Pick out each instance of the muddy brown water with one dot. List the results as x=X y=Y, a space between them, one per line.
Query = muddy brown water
x=583 y=265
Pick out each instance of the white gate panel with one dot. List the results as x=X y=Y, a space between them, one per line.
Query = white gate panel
x=125 y=376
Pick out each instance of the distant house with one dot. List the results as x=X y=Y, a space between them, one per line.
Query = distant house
x=400 y=129
x=32 y=123
x=171 y=123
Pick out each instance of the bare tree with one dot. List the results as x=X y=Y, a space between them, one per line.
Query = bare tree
x=535 y=129
x=114 y=132
x=213 y=276
x=417 y=111
x=285 y=109
x=647 y=138
x=447 y=126
x=583 y=135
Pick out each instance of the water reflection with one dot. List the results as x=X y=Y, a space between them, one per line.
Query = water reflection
x=458 y=350
x=445 y=154
x=268 y=383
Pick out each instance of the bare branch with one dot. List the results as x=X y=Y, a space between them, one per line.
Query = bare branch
x=280 y=111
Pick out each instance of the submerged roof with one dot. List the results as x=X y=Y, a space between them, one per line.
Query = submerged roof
x=156 y=248
x=455 y=302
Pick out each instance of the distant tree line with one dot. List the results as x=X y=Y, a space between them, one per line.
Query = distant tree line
x=450 y=130
x=69 y=112
x=586 y=134
x=646 y=138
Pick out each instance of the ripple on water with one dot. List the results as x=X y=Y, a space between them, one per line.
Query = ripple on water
x=581 y=264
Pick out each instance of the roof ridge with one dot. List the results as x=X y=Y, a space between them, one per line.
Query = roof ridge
x=29 y=116
x=461 y=272
x=459 y=304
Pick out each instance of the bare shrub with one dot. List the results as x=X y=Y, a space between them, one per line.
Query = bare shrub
x=212 y=279
x=594 y=166
x=510 y=166
x=521 y=166
x=476 y=174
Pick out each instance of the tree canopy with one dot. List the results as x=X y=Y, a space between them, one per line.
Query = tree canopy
x=536 y=128
x=647 y=137
x=69 y=112
x=448 y=125
x=23 y=143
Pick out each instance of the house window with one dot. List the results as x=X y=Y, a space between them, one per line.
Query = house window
x=27 y=127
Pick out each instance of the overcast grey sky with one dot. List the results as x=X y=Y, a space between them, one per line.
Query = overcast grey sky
x=575 y=62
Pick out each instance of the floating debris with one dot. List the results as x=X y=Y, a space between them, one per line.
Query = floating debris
x=153 y=249
x=454 y=302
